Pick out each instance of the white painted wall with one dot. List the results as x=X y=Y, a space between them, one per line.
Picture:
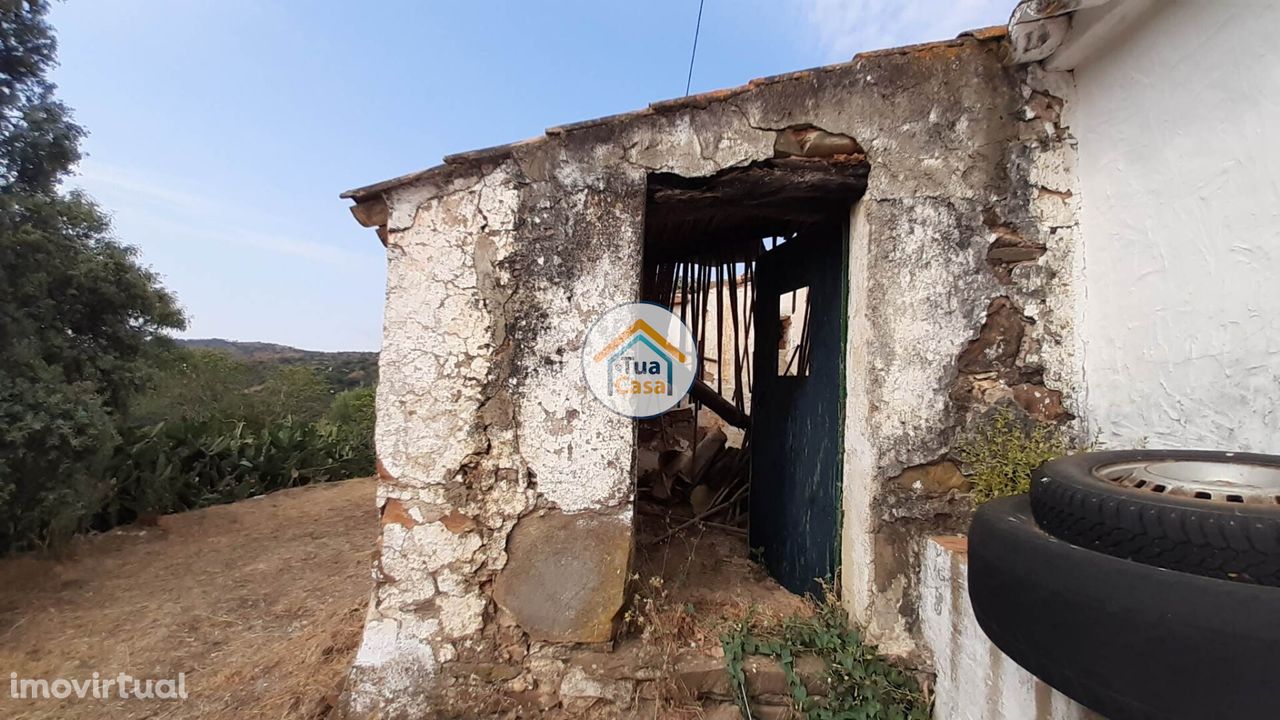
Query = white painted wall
x=975 y=681
x=1178 y=122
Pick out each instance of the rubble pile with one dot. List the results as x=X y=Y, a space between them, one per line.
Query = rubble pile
x=692 y=467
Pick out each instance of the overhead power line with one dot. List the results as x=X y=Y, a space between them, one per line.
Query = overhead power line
x=696 y=29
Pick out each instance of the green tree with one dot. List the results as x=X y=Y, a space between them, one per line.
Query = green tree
x=80 y=319
x=351 y=415
x=292 y=391
x=353 y=408
x=195 y=385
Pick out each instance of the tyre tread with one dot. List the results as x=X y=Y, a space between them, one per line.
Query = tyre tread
x=1231 y=545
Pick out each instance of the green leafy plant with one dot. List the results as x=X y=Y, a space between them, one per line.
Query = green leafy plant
x=1002 y=450
x=211 y=385
x=354 y=409
x=170 y=467
x=861 y=685
x=80 y=317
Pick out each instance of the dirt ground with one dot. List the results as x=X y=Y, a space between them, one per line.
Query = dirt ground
x=708 y=571
x=688 y=590
x=259 y=603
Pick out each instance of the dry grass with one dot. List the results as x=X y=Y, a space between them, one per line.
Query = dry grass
x=259 y=603
x=707 y=574
x=689 y=591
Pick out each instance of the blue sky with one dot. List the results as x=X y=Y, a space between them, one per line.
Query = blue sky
x=222 y=131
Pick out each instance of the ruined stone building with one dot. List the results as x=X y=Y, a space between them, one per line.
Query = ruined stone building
x=1074 y=217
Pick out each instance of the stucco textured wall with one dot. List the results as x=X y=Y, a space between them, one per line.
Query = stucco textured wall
x=1176 y=124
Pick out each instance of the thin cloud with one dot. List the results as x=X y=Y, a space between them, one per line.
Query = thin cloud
x=94 y=175
x=164 y=209
x=252 y=239
x=847 y=27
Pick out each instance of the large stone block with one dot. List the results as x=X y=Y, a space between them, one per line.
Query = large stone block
x=566 y=575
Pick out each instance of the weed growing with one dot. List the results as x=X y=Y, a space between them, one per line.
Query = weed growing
x=861 y=685
x=1001 y=452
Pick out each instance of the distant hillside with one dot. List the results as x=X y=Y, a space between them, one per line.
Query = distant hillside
x=343 y=370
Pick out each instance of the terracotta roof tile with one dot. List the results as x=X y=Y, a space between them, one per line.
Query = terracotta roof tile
x=701 y=100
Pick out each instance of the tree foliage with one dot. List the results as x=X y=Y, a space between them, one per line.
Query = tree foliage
x=215 y=428
x=103 y=419
x=80 y=319
x=354 y=408
x=39 y=144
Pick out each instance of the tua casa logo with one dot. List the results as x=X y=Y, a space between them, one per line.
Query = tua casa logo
x=639 y=359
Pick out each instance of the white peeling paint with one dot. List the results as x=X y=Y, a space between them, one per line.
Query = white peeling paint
x=426 y=398
x=379 y=642
x=392 y=659
x=857 y=546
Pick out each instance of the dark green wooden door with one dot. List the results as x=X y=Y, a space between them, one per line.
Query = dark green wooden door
x=797 y=406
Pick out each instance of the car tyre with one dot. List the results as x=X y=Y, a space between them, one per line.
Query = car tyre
x=1215 y=514
x=1127 y=640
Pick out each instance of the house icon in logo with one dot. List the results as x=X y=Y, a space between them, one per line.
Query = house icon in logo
x=623 y=361
x=633 y=368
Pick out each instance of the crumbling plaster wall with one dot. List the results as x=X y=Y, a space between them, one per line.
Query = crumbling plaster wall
x=962 y=297
x=501 y=475
x=494 y=269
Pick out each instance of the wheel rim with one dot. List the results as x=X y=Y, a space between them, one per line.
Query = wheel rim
x=1209 y=481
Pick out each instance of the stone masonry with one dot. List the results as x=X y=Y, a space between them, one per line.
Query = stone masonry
x=506 y=489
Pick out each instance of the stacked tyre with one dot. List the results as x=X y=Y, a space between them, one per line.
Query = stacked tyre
x=1143 y=584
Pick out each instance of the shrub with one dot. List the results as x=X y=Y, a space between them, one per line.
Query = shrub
x=353 y=408
x=170 y=467
x=199 y=385
x=212 y=430
x=224 y=430
x=194 y=385
x=55 y=441
x=290 y=391
x=1002 y=450
x=352 y=416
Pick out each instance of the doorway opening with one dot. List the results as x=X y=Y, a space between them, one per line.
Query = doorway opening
x=753 y=260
